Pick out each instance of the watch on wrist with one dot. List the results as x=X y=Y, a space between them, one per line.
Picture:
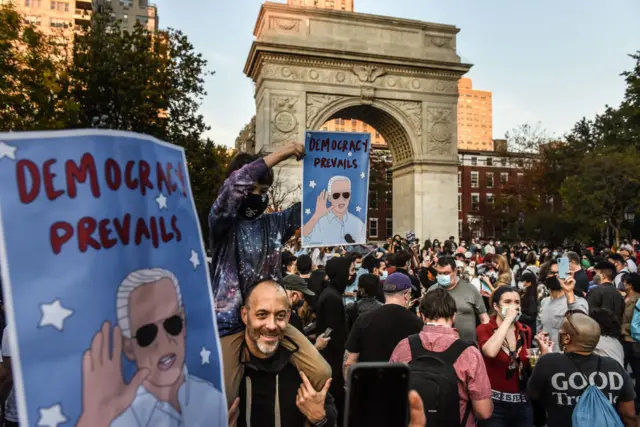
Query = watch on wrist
x=321 y=423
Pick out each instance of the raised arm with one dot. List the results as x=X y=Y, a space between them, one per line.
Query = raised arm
x=240 y=183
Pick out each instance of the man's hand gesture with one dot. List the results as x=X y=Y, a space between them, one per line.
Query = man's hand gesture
x=105 y=396
x=321 y=205
x=311 y=402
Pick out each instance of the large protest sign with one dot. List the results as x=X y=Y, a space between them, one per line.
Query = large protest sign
x=335 y=188
x=109 y=307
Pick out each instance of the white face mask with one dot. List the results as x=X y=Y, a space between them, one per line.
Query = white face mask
x=503 y=311
x=384 y=275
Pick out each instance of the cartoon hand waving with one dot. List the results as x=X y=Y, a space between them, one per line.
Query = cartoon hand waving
x=321 y=205
x=105 y=396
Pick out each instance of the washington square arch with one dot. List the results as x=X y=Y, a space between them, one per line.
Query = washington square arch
x=311 y=65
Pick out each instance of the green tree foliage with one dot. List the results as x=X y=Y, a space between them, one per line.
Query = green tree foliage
x=138 y=81
x=207 y=164
x=112 y=79
x=603 y=189
x=33 y=78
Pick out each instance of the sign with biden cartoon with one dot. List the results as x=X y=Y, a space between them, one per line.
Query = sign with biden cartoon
x=335 y=176
x=107 y=296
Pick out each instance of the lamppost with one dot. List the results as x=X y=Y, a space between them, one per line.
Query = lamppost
x=629 y=215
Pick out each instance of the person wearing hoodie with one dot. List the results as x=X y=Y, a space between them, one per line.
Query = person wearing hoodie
x=246 y=247
x=330 y=313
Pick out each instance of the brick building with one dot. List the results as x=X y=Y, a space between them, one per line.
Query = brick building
x=482 y=178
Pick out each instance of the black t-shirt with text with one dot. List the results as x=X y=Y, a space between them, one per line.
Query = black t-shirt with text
x=558 y=383
x=377 y=333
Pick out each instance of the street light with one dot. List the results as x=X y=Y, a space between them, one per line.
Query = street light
x=629 y=215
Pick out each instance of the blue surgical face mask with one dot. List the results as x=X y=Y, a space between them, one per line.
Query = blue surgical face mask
x=358 y=265
x=384 y=275
x=444 y=280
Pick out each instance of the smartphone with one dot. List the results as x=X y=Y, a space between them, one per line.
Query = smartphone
x=377 y=395
x=563 y=267
x=327 y=332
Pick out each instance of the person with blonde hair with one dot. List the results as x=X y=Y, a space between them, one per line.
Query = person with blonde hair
x=505 y=276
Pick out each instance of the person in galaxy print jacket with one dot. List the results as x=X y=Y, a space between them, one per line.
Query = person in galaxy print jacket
x=246 y=247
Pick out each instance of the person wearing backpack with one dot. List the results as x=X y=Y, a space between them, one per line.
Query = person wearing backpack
x=631 y=328
x=504 y=343
x=448 y=373
x=562 y=381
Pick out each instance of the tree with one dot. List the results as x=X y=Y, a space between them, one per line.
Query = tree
x=138 y=81
x=603 y=189
x=527 y=138
x=33 y=79
x=207 y=163
x=282 y=193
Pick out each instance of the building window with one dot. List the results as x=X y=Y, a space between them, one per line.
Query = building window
x=59 y=23
x=459 y=228
x=389 y=177
x=475 y=202
x=459 y=202
x=324 y=128
x=489 y=179
x=27 y=3
x=490 y=199
x=373 y=200
x=365 y=127
x=125 y=17
x=504 y=178
x=489 y=161
x=474 y=179
x=373 y=227
x=34 y=20
x=126 y=3
x=459 y=179
x=354 y=123
x=474 y=161
x=389 y=227
x=520 y=177
x=503 y=161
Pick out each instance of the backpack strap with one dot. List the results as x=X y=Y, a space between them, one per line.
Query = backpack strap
x=454 y=351
x=417 y=349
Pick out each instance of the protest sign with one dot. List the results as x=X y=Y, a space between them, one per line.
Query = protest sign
x=335 y=189
x=109 y=307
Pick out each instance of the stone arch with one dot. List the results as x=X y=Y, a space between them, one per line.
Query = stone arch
x=310 y=65
x=384 y=117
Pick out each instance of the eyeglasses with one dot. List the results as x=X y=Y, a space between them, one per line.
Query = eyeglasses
x=568 y=315
x=146 y=335
x=346 y=195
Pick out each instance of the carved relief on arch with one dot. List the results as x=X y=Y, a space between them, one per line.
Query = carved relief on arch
x=412 y=110
x=316 y=103
x=284 y=124
x=279 y=23
x=440 y=133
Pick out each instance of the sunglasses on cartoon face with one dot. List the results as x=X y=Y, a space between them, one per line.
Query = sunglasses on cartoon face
x=345 y=195
x=146 y=335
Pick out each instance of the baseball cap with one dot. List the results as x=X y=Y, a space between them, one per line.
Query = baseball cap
x=396 y=282
x=293 y=282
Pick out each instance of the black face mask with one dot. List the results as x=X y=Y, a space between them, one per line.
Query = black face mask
x=553 y=283
x=298 y=305
x=253 y=205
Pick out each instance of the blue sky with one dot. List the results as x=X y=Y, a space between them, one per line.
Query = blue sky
x=552 y=61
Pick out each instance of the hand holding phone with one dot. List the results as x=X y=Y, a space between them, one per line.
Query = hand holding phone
x=563 y=267
x=327 y=332
x=374 y=393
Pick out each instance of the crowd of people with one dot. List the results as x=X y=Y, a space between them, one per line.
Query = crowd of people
x=510 y=335
x=494 y=334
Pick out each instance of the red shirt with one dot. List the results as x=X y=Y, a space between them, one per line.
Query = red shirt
x=472 y=375
x=497 y=367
